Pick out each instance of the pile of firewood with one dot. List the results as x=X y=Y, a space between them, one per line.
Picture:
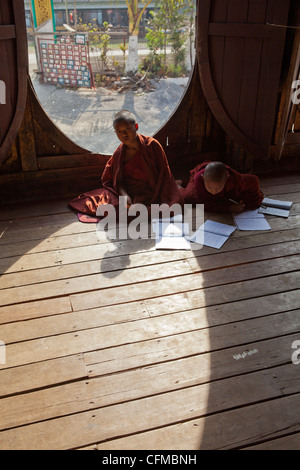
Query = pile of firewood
x=139 y=83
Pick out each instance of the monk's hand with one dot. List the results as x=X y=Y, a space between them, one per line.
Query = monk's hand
x=237 y=208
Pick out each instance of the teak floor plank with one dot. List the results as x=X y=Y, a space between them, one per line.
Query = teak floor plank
x=65 y=256
x=292 y=197
x=135 y=384
x=51 y=244
x=101 y=393
x=72 y=322
x=212 y=365
x=131 y=356
x=36 y=230
x=141 y=411
x=35 y=309
x=41 y=228
x=20 y=247
x=33 y=209
x=220 y=431
x=147 y=259
x=100 y=338
x=195 y=318
x=113 y=345
x=278 y=180
x=60 y=206
x=164 y=409
x=40 y=375
x=194 y=282
x=105 y=251
x=291 y=442
x=154 y=274
x=288 y=188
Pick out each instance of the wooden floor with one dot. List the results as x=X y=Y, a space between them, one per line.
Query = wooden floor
x=117 y=346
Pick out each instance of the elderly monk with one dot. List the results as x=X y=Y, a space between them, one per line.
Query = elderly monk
x=222 y=189
x=138 y=171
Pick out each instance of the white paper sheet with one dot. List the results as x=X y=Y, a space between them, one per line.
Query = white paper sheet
x=251 y=220
x=172 y=236
x=213 y=240
x=249 y=215
x=172 y=243
x=212 y=234
x=178 y=229
x=218 y=228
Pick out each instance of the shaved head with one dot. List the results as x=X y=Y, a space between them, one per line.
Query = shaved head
x=215 y=177
x=216 y=172
x=124 y=116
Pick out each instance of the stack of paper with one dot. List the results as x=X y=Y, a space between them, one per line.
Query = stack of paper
x=251 y=220
x=212 y=234
x=274 y=207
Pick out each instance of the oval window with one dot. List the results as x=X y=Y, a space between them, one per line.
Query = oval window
x=91 y=68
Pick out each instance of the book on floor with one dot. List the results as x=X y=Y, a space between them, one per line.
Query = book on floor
x=172 y=236
x=275 y=207
x=212 y=234
x=251 y=220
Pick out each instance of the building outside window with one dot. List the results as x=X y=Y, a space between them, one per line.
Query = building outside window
x=113 y=11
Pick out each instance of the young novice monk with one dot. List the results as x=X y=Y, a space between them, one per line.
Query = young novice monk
x=138 y=171
x=222 y=189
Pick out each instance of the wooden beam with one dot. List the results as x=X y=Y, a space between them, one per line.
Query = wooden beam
x=71 y=161
x=293 y=138
x=240 y=30
x=7 y=32
x=26 y=141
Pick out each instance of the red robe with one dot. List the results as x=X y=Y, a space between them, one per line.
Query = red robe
x=151 y=182
x=238 y=187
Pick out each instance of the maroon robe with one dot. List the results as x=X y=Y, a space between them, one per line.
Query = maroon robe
x=238 y=187
x=148 y=178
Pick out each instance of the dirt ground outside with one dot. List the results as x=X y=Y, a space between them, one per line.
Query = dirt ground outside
x=86 y=115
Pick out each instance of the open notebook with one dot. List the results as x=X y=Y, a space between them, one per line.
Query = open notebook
x=212 y=234
x=251 y=220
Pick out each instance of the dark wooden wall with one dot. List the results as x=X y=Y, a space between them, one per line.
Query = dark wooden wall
x=238 y=107
x=13 y=72
x=251 y=130
x=240 y=57
x=43 y=162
